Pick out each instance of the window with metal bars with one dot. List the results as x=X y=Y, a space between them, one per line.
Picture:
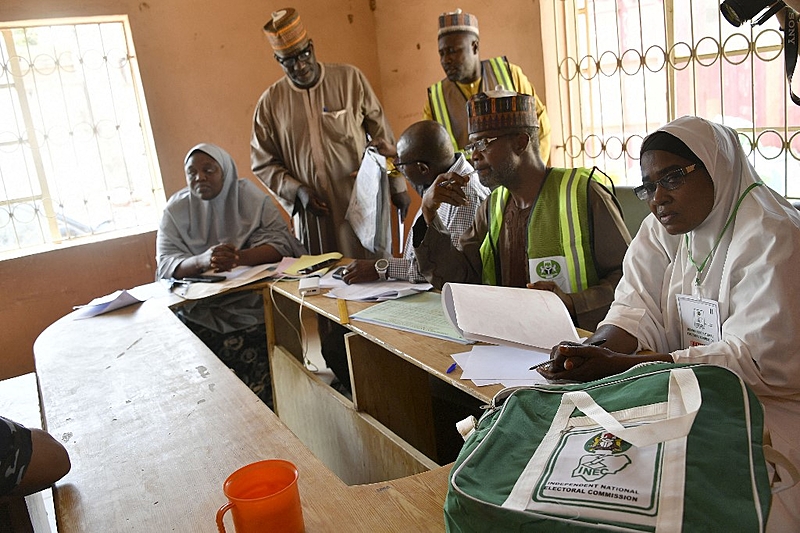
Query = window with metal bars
x=626 y=67
x=77 y=159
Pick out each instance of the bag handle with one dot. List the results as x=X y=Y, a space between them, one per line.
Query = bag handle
x=684 y=400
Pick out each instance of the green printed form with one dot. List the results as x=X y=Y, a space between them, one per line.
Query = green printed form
x=421 y=313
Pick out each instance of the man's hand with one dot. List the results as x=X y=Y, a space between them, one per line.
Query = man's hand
x=312 y=202
x=360 y=271
x=385 y=148
x=447 y=188
x=553 y=287
x=401 y=201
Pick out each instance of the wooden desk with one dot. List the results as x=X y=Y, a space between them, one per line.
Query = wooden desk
x=394 y=425
x=154 y=423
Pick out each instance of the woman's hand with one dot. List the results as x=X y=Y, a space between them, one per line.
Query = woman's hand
x=580 y=362
x=401 y=201
x=223 y=257
x=385 y=148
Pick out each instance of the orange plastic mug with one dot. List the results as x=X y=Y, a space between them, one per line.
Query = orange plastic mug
x=263 y=496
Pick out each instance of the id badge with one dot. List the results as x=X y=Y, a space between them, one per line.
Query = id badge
x=700 y=324
x=550 y=269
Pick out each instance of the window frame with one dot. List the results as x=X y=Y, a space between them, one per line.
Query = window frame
x=48 y=220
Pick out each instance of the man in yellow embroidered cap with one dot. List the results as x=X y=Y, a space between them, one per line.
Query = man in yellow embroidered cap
x=467 y=75
x=310 y=130
x=546 y=228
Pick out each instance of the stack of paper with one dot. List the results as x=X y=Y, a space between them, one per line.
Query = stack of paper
x=318 y=264
x=376 y=291
x=525 y=323
x=501 y=365
x=105 y=304
x=523 y=318
x=241 y=275
x=421 y=314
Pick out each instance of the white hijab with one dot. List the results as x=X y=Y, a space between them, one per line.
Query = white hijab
x=752 y=273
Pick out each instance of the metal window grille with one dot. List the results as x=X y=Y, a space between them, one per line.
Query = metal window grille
x=76 y=153
x=626 y=67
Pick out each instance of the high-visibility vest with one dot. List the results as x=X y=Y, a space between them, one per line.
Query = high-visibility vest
x=445 y=95
x=558 y=226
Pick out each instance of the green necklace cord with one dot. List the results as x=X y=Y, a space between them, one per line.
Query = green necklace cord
x=702 y=267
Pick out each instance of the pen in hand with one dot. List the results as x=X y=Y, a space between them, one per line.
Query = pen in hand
x=449 y=182
x=598 y=342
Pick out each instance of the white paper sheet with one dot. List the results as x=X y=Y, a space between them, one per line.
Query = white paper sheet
x=502 y=362
x=378 y=291
x=105 y=304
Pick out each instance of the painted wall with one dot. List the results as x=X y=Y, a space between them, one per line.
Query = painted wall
x=203 y=66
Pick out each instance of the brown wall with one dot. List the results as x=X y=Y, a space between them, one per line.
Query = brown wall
x=203 y=66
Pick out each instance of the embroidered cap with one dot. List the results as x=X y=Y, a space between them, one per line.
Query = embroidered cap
x=286 y=32
x=501 y=109
x=457 y=21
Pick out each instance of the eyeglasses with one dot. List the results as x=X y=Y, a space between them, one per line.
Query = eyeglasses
x=670 y=182
x=398 y=166
x=290 y=62
x=482 y=144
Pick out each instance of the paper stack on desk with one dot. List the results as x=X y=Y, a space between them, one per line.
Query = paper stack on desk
x=239 y=276
x=522 y=318
x=306 y=265
x=421 y=313
x=376 y=291
x=526 y=323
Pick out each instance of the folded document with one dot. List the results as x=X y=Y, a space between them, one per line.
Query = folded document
x=510 y=316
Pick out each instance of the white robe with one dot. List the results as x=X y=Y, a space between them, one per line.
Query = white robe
x=753 y=276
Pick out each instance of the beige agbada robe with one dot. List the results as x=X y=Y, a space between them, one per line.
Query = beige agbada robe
x=317 y=137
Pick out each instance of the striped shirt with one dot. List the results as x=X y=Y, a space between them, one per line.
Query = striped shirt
x=457 y=219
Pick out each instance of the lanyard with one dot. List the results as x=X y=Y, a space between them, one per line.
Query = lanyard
x=702 y=266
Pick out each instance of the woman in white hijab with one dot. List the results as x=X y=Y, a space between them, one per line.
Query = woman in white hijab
x=722 y=241
x=216 y=223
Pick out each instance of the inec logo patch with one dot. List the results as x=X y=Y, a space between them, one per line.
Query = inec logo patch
x=548 y=269
x=606 y=456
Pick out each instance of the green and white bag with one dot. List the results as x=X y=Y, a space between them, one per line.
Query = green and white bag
x=661 y=447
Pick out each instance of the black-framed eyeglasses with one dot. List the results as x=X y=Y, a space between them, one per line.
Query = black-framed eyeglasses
x=670 y=182
x=291 y=61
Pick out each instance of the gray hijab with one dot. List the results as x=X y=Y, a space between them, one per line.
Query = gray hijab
x=241 y=214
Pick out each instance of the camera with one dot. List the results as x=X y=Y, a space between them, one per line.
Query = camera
x=737 y=12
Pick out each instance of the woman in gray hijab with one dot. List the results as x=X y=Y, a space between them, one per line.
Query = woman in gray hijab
x=216 y=223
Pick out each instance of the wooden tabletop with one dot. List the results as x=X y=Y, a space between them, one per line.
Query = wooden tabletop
x=154 y=423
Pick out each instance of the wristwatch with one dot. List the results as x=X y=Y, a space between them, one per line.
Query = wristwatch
x=381 y=266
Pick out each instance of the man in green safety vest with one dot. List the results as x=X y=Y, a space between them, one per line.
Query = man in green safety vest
x=467 y=75
x=546 y=228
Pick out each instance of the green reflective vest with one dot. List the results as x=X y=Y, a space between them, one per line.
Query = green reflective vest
x=446 y=95
x=558 y=227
